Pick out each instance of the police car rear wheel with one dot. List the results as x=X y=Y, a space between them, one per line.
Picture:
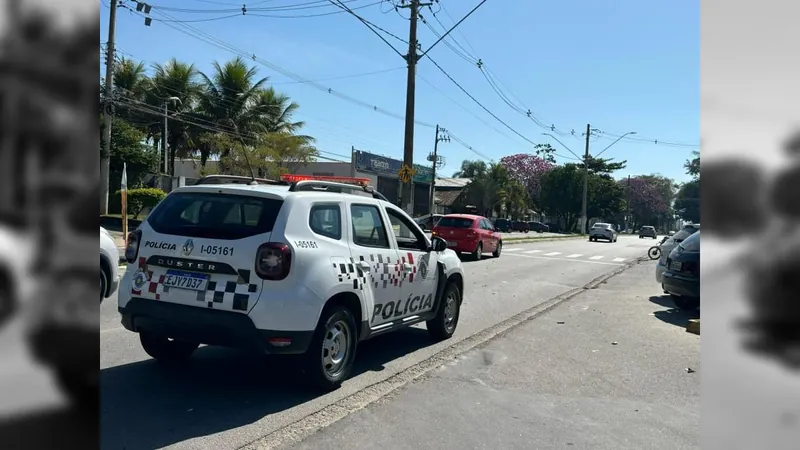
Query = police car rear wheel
x=444 y=324
x=166 y=350
x=333 y=348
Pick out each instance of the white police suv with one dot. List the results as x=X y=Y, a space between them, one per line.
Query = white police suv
x=299 y=267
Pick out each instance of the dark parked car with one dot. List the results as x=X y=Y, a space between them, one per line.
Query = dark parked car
x=538 y=227
x=682 y=277
x=648 y=231
x=502 y=225
x=427 y=222
x=520 y=226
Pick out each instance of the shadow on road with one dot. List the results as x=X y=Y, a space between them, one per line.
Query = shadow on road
x=672 y=315
x=145 y=405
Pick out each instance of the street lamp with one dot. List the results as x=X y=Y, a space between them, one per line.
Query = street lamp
x=166 y=140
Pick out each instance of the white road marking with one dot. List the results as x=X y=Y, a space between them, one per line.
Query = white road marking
x=552 y=254
x=575 y=255
x=564 y=259
x=619 y=259
x=533 y=251
x=513 y=249
x=596 y=257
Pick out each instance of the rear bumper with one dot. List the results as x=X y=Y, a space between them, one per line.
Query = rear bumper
x=680 y=285
x=660 y=269
x=208 y=326
x=600 y=236
x=463 y=246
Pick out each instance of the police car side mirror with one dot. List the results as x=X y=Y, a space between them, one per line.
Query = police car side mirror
x=438 y=244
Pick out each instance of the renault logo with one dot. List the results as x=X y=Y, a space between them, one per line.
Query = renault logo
x=188 y=247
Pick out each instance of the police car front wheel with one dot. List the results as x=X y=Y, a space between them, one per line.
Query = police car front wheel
x=444 y=324
x=166 y=350
x=330 y=356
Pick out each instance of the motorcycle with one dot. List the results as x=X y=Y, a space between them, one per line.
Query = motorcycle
x=654 y=252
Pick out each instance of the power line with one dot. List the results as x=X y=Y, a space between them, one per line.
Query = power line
x=485 y=108
x=214 y=41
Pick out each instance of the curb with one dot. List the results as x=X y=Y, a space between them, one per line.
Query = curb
x=328 y=415
x=693 y=327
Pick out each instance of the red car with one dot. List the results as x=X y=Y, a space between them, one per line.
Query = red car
x=467 y=233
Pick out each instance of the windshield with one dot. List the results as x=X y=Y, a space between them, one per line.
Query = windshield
x=691 y=243
x=684 y=233
x=455 y=222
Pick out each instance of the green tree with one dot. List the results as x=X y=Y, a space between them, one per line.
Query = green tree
x=687 y=201
x=471 y=169
x=128 y=147
x=692 y=166
x=562 y=193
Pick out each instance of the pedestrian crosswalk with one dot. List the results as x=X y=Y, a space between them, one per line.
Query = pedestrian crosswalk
x=570 y=256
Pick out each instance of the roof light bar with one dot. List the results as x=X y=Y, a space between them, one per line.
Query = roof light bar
x=289 y=178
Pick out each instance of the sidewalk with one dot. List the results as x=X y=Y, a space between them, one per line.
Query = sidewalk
x=613 y=368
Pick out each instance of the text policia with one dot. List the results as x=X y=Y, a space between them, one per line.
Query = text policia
x=400 y=308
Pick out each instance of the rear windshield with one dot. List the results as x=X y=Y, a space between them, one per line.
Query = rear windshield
x=600 y=225
x=684 y=233
x=691 y=243
x=455 y=222
x=648 y=228
x=214 y=216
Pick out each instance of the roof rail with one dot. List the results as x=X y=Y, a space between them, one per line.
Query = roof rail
x=235 y=179
x=310 y=185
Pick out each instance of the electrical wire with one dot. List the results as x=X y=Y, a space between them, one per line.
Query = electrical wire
x=487 y=109
x=211 y=40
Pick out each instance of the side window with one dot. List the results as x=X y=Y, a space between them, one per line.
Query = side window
x=486 y=225
x=326 y=220
x=368 y=228
x=407 y=235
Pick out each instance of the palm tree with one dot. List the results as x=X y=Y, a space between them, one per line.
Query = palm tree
x=471 y=169
x=279 y=108
x=173 y=80
x=131 y=86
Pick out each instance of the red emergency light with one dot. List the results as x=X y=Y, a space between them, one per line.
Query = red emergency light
x=289 y=178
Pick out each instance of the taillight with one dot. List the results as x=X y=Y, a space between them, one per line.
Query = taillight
x=132 y=249
x=471 y=234
x=273 y=261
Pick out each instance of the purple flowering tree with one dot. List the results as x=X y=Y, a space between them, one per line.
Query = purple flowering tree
x=528 y=170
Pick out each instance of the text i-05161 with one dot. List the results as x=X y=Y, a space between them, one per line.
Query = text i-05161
x=216 y=250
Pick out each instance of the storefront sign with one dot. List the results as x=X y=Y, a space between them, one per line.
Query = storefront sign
x=381 y=165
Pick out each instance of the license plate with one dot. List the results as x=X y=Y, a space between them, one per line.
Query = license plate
x=186 y=280
x=451 y=244
x=676 y=266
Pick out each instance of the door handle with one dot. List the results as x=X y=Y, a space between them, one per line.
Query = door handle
x=407 y=268
x=364 y=266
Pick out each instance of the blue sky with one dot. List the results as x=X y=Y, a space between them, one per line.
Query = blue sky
x=622 y=66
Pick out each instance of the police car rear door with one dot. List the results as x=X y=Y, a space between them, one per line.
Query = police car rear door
x=198 y=247
x=375 y=260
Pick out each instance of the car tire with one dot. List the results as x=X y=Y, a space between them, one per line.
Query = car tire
x=335 y=333
x=498 y=250
x=164 y=350
x=478 y=253
x=79 y=388
x=444 y=324
x=685 y=303
x=103 y=284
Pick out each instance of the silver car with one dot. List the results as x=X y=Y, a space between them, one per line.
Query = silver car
x=670 y=245
x=109 y=265
x=603 y=231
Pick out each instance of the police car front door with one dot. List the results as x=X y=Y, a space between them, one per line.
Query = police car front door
x=377 y=262
x=417 y=264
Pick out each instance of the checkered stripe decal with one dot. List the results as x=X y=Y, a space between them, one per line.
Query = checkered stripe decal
x=236 y=294
x=384 y=271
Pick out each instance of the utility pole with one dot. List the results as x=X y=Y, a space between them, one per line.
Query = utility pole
x=628 y=202
x=165 y=141
x=435 y=160
x=108 y=109
x=584 y=219
x=406 y=192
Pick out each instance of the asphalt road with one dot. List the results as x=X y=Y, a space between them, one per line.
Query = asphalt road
x=605 y=371
x=227 y=399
